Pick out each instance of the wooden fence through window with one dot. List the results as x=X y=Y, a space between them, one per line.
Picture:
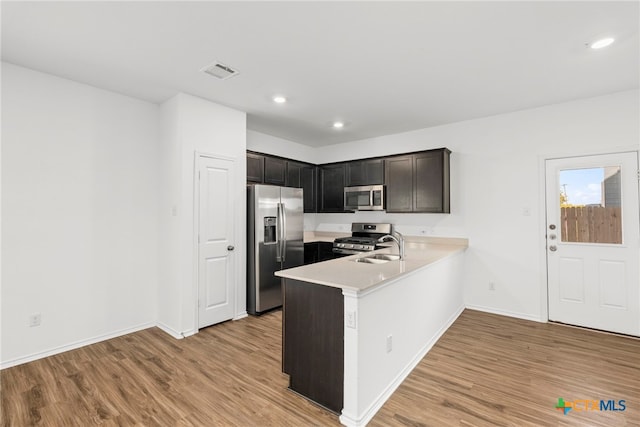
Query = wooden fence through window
x=591 y=224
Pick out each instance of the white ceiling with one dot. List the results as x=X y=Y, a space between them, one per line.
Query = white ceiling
x=382 y=67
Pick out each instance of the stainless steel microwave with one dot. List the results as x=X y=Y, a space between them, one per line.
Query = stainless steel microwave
x=364 y=198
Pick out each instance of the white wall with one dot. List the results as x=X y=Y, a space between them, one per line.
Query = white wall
x=169 y=294
x=495 y=175
x=263 y=143
x=191 y=125
x=79 y=213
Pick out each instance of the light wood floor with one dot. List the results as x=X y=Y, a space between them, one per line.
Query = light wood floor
x=490 y=370
x=486 y=370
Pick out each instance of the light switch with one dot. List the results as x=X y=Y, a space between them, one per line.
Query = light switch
x=351 y=319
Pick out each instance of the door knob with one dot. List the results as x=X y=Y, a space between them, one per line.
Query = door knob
x=230 y=247
x=552 y=236
x=553 y=248
x=552 y=227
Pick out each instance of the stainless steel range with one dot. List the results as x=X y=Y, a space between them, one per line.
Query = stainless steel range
x=364 y=238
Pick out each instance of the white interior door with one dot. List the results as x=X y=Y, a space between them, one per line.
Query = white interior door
x=592 y=241
x=216 y=278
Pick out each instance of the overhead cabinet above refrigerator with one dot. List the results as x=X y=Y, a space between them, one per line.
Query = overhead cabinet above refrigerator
x=275 y=242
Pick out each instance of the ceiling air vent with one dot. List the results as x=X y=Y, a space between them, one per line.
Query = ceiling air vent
x=220 y=71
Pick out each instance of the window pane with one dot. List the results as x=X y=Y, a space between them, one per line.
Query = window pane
x=590 y=205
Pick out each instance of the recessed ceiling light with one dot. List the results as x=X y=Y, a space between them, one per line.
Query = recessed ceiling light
x=599 y=44
x=279 y=99
x=338 y=125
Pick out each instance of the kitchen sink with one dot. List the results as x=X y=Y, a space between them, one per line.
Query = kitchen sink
x=386 y=257
x=377 y=259
x=368 y=260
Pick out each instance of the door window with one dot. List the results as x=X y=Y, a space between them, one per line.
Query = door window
x=591 y=205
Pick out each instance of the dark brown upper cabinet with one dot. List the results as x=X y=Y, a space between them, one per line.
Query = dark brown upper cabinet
x=415 y=182
x=303 y=175
x=332 y=180
x=255 y=168
x=266 y=169
x=294 y=174
x=431 y=188
x=309 y=178
x=399 y=182
x=274 y=170
x=418 y=182
x=365 y=172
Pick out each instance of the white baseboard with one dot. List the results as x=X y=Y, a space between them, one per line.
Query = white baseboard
x=73 y=346
x=505 y=313
x=169 y=330
x=241 y=315
x=190 y=332
x=391 y=388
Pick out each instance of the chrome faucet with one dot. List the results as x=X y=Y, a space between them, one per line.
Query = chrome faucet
x=396 y=237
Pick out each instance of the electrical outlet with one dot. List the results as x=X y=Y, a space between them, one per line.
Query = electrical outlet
x=351 y=319
x=35 y=320
x=389 y=343
x=492 y=286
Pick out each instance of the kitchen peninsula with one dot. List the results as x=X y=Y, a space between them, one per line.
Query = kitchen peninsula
x=353 y=330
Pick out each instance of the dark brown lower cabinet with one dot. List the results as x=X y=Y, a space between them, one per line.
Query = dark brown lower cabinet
x=313 y=342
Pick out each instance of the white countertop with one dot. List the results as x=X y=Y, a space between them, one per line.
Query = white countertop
x=358 y=276
x=322 y=236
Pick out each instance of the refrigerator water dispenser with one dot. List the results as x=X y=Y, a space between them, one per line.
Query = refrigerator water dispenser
x=270 y=230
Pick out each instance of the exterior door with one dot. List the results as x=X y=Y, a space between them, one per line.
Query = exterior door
x=592 y=241
x=216 y=259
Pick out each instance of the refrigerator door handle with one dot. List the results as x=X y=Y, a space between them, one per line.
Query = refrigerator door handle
x=279 y=225
x=284 y=233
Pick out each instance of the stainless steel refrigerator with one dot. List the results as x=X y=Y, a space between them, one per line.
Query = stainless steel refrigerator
x=274 y=234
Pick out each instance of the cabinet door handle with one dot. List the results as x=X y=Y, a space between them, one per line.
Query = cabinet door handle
x=230 y=247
